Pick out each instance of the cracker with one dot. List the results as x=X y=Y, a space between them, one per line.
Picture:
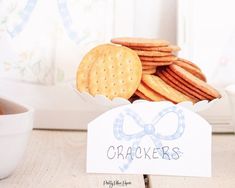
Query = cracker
x=159 y=86
x=170 y=80
x=144 y=67
x=157 y=59
x=188 y=62
x=149 y=63
x=149 y=71
x=151 y=94
x=152 y=53
x=116 y=73
x=190 y=68
x=85 y=66
x=196 y=82
x=190 y=86
x=142 y=96
x=143 y=42
x=170 y=48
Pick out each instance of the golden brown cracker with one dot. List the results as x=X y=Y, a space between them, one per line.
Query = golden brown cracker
x=158 y=59
x=143 y=42
x=151 y=94
x=190 y=86
x=152 y=53
x=170 y=48
x=179 y=86
x=159 y=86
x=149 y=63
x=193 y=80
x=149 y=71
x=144 y=67
x=116 y=73
x=85 y=66
x=192 y=69
x=188 y=62
x=142 y=96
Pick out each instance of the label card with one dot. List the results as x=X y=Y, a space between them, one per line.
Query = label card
x=149 y=138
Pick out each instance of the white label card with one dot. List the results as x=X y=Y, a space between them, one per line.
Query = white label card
x=149 y=138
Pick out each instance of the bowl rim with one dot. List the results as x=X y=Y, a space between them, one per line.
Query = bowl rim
x=28 y=109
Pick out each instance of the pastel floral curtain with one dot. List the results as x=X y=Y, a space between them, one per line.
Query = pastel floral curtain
x=43 y=41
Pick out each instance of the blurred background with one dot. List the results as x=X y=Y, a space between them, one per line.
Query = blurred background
x=42 y=43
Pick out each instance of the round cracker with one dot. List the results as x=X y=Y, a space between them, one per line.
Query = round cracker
x=149 y=63
x=203 y=86
x=144 y=67
x=116 y=73
x=170 y=48
x=190 y=68
x=188 y=62
x=142 y=96
x=189 y=85
x=158 y=85
x=85 y=66
x=148 y=92
x=166 y=77
x=149 y=71
x=143 y=42
x=158 y=59
x=152 y=53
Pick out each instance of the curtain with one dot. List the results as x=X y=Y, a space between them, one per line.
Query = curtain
x=42 y=41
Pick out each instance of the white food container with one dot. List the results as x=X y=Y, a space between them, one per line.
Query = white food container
x=230 y=90
x=101 y=100
x=15 y=128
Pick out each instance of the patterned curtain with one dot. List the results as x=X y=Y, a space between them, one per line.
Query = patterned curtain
x=43 y=41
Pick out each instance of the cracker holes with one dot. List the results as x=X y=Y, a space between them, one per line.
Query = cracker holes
x=119 y=55
x=111 y=58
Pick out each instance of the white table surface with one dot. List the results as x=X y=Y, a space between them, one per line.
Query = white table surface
x=56 y=159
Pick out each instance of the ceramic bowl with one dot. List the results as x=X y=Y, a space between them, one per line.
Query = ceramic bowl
x=230 y=90
x=16 y=124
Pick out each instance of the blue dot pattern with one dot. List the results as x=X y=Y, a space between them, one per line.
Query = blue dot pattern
x=68 y=23
x=24 y=17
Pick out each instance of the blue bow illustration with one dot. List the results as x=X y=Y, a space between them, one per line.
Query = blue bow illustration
x=148 y=130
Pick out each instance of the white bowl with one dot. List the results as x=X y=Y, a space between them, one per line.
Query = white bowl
x=15 y=127
x=230 y=90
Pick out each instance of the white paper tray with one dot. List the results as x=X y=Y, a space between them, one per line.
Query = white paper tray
x=101 y=100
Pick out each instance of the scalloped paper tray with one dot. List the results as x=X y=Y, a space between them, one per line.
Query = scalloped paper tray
x=105 y=102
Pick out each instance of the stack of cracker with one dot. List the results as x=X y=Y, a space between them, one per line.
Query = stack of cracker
x=147 y=68
x=152 y=53
x=171 y=78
